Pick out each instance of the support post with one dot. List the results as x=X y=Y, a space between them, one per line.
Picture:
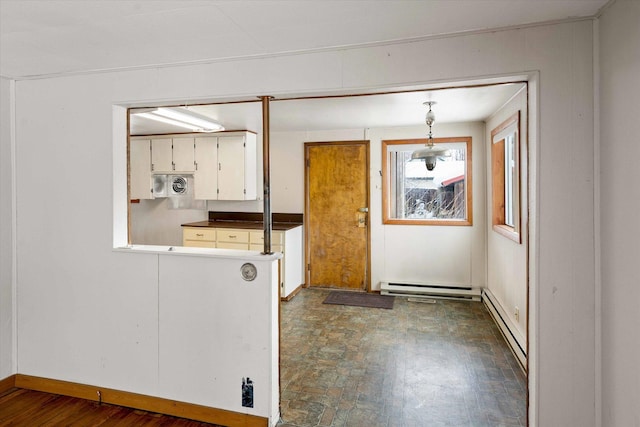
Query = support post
x=266 y=174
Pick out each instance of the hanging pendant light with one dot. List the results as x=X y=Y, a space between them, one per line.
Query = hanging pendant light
x=431 y=153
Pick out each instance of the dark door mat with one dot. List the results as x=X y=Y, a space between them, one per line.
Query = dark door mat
x=360 y=299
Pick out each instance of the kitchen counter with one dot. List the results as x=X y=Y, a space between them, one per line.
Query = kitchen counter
x=248 y=221
x=243 y=225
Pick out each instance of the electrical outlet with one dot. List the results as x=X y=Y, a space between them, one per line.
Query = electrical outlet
x=517 y=314
x=247 y=393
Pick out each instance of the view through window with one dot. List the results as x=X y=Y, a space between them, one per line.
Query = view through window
x=415 y=195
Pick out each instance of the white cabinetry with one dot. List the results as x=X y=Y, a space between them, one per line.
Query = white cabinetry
x=206 y=174
x=226 y=167
x=172 y=155
x=232 y=168
x=161 y=155
x=183 y=155
x=140 y=175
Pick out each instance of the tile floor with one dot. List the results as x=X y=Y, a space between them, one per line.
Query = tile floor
x=419 y=364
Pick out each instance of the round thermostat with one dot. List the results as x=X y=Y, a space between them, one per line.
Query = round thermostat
x=248 y=271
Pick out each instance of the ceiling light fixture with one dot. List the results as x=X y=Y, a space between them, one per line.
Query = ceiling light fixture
x=182 y=118
x=431 y=153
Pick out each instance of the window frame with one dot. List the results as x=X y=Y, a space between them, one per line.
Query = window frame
x=498 y=181
x=387 y=219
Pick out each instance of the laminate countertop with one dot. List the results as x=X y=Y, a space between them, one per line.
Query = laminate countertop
x=244 y=225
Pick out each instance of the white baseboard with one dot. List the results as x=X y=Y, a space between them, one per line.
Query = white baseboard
x=514 y=338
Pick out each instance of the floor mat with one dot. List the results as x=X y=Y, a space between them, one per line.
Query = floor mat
x=360 y=299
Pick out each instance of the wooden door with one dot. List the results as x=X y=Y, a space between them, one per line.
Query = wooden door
x=337 y=201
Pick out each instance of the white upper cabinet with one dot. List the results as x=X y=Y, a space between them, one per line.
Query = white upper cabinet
x=172 y=155
x=140 y=175
x=231 y=168
x=206 y=174
x=161 y=155
x=224 y=166
x=183 y=155
x=234 y=166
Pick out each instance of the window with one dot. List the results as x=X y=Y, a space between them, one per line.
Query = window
x=505 y=175
x=413 y=195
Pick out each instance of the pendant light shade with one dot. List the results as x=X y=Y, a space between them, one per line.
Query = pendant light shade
x=430 y=153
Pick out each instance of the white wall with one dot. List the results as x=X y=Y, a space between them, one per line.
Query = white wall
x=7 y=366
x=507 y=259
x=153 y=222
x=65 y=236
x=398 y=252
x=620 y=201
x=428 y=254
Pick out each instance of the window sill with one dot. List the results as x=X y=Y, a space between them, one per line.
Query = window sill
x=441 y=222
x=508 y=232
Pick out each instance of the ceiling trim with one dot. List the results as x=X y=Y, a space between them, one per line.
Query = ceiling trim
x=309 y=51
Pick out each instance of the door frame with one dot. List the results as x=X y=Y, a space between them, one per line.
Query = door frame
x=307 y=249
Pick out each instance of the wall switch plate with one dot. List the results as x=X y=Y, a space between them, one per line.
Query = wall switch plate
x=517 y=314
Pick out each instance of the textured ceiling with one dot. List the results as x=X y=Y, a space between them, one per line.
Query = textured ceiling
x=40 y=38
x=51 y=37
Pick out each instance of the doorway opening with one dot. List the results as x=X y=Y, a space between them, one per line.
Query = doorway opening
x=292 y=127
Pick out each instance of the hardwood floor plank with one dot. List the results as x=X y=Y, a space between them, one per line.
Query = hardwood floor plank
x=28 y=408
x=24 y=405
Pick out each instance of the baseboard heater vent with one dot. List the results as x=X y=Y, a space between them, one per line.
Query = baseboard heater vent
x=430 y=290
x=514 y=339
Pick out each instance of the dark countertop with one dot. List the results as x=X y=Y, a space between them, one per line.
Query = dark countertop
x=246 y=225
x=249 y=221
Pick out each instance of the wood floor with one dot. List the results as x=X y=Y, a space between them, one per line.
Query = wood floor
x=29 y=408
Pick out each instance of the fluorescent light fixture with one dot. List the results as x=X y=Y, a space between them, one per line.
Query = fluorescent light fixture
x=183 y=118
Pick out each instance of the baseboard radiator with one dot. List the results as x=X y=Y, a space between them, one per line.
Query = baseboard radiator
x=430 y=290
x=516 y=341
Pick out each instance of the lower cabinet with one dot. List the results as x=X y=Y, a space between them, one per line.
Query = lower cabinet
x=229 y=238
x=199 y=237
x=288 y=242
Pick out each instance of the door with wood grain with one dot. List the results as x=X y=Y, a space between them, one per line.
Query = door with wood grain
x=337 y=206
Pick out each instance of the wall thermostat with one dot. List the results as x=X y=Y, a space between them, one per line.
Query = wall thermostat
x=248 y=271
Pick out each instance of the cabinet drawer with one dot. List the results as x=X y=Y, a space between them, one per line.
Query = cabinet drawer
x=199 y=233
x=231 y=235
x=257 y=237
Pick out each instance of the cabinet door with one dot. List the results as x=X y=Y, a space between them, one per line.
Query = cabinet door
x=161 y=156
x=183 y=155
x=140 y=168
x=205 y=178
x=231 y=184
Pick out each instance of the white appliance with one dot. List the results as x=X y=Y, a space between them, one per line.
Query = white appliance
x=180 y=193
x=159 y=186
x=180 y=185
